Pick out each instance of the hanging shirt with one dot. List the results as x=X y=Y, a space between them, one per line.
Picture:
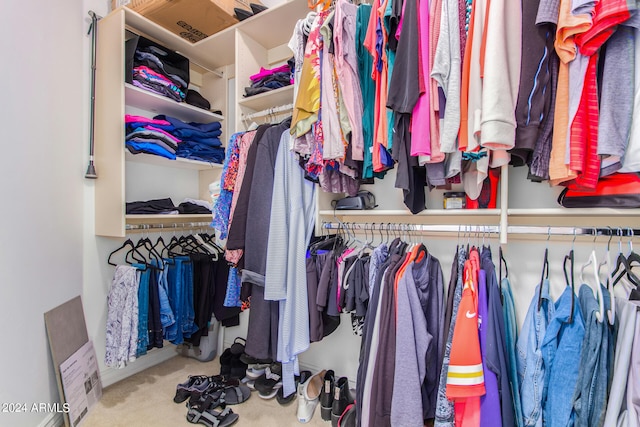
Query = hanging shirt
x=465 y=377
x=307 y=103
x=531 y=369
x=446 y=63
x=561 y=344
x=568 y=26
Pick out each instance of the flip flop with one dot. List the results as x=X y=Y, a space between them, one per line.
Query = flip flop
x=211 y=418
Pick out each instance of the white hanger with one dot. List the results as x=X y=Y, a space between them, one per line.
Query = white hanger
x=593 y=262
x=608 y=280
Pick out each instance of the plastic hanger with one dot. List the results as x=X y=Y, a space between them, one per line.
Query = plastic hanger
x=570 y=282
x=132 y=251
x=545 y=269
x=593 y=263
x=625 y=262
x=606 y=262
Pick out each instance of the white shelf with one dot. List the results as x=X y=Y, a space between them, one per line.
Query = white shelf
x=427 y=212
x=273 y=98
x=573 y=212
x=273 y=27
x=149 y=101
x=179 y=162
x=167 y=219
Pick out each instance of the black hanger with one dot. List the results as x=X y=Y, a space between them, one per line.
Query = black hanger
x=571 y=282
x=132 y=251
x=503 y=261
x=146 y=243
x=545 y=275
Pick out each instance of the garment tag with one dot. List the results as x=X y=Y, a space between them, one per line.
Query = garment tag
x=336 y=394
x=327 y=385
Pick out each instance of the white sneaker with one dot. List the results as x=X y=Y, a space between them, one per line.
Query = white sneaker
x=309 y=397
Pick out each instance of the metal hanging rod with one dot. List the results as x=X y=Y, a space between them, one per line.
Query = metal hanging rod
x=167 y=227
x=494 y=229
x=274 y=110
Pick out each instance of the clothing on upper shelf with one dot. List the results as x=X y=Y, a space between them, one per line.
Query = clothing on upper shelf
x=269 y=79
x=166 y=206
x=436 y=102
x=146 y=78
x=198 y=141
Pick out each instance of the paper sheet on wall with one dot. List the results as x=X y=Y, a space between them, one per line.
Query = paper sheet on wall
x=81 y=382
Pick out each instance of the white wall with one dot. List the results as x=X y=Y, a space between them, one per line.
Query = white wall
x=41 y=175
x=49 y=252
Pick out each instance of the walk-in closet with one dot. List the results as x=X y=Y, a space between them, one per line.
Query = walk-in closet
x=336 y=212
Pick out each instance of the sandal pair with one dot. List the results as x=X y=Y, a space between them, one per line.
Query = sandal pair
x=212 y=418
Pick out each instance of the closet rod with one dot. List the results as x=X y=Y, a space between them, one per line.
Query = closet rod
x=167 y=227
x=267 y=111
x=495 y=229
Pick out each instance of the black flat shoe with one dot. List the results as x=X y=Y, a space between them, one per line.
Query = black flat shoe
x=257 y=8
x=242 y=14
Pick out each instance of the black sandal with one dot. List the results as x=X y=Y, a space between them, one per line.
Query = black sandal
x=211 y=418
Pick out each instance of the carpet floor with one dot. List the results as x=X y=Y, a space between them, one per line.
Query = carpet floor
x=146 y=399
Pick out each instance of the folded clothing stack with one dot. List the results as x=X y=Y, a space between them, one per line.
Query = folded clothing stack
x=270 y=79
x=154 y=71
x=199 y=141
x=150 y=136
x=166 y=207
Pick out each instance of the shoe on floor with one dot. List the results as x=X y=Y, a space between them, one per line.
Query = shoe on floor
x=326 y=396
x=256 y=370
x=341 y=399
x=212 y=418
x=310 y=397
x=304 y=376
x=196 y=384
x=270 y=380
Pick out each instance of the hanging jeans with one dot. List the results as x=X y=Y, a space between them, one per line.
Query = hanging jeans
x=143 y=309
x=531 y=369
x=166 y=312
x=180 y=279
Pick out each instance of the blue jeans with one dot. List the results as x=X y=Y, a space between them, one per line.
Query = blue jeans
x=178 y=297
x=590 y=399
x=143 y=310
x=188 y=319
x=166 y=312
x=561 y=346
x=511 y=337
x=531 y=369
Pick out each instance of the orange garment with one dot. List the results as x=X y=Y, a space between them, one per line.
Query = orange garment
x=568 y=26
x=380 y=125
x=465 y=377
x=463 y=132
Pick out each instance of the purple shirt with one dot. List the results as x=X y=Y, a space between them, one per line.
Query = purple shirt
x=490 y=412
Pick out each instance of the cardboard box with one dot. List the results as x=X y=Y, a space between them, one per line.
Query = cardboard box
x=193 y=20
